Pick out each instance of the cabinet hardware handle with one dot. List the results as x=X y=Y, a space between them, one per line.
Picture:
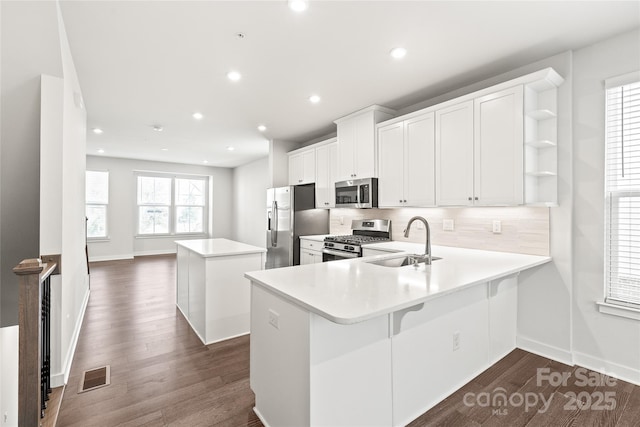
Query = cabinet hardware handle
x=476 y=198
x=400 y=200
x=470 y=199
x=404 y=201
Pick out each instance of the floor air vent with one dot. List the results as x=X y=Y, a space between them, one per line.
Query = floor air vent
x=95 y=378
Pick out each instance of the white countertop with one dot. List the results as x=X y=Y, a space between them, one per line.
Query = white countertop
x=353 y=291
x=218 y=247
x=316 y=237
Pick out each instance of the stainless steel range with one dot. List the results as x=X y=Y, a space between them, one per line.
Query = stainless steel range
x=365 y=231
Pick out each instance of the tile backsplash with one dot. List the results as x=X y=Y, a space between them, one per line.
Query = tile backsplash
x=525 y=230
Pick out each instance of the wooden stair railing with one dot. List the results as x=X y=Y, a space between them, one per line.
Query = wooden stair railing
x=34 y=374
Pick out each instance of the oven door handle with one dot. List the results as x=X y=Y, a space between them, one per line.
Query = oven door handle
x=342 y=254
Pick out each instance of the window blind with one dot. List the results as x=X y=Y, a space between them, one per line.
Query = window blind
x=622 y=195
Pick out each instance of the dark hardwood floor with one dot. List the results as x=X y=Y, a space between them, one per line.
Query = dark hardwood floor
x=161 y=374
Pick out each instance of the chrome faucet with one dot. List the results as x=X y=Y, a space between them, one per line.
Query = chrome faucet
x=427 y=245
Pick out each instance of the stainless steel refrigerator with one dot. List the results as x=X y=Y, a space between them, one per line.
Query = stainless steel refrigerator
x=291 y=213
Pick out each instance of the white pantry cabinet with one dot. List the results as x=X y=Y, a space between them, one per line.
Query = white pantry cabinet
x=302 y=166
x=406 y=165
x=479 y=151
x=326 y=174
x=357 y=142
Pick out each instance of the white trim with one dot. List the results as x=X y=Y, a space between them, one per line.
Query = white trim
x=259 y=415
x=550 y=352
x=624 y=373
x=618 y=310
x=110 y=257
x=622 y=80
x=60 y=379
x=155 y=252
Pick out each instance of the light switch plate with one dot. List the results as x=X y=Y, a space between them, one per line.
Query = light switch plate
x=447 y=225
x=497 y=226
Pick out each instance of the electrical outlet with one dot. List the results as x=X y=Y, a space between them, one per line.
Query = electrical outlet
x=341 y=220
x=447 y=224
x=456 y=341
x=274 y=319
x=497 y=226
x=420 y=225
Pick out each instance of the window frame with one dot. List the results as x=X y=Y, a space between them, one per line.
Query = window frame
x=611 y=304
x=106 y=236
x=172 y=221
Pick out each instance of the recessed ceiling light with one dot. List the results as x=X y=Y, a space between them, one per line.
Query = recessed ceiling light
x=314 y=99
x=234 y=76
x=298 y=5
x=205 y=161
x=230 y=148
x=262 y=128
x=197 y=116
x=100 y=150
x=164 y=149
x=158 y=128
x=97 y=131
x=398 y=52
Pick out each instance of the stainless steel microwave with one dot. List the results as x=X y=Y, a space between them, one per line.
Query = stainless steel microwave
x=357 y=193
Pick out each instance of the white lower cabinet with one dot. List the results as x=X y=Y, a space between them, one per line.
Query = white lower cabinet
x=310 y=251
x=307 y=370
x=439 y=346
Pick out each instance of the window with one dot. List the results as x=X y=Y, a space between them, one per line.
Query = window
x=97 y=201
x=171 y=205
x=622 y=193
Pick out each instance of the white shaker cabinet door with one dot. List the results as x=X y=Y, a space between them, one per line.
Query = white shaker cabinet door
x=346 y=150
x=498 y=148
x=454 y=155
x=419 y=161
x=391 y=165
x=365 y=147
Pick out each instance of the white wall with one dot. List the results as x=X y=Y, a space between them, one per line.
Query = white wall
x=249 y=201
x=600 y=340
x=122 y=199
x=9 y=375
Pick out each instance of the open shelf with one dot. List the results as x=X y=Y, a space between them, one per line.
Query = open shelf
x=541 y=173
x=543 y=114
x=541 y=143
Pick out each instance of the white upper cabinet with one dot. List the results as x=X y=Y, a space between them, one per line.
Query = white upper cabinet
x=326 y=173
x=454 y=155
x=357 y=143
x=479 y=151
x=406 y=163
x=498 y=149
x=302 y=166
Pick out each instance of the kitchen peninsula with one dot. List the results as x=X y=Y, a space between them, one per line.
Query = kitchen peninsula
x=212 y=293
x=355 y=343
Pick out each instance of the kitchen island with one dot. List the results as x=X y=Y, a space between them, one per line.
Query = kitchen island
x=212 y=292
x=355 y=343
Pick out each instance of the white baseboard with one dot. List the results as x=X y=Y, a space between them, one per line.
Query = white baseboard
x=624 y=373
x=155 y=252
x=110 y=257
x=545 y=350
x=61 y=378
x=9 y=342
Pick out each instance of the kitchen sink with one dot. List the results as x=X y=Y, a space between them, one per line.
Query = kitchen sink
x=400 y=261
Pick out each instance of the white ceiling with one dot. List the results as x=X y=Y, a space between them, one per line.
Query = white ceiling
x=157 y=62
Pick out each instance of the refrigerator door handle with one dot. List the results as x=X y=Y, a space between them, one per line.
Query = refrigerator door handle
x=268 y=220
x=274 y=233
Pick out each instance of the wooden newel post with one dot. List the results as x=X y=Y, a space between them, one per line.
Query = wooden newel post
x=29 y=317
